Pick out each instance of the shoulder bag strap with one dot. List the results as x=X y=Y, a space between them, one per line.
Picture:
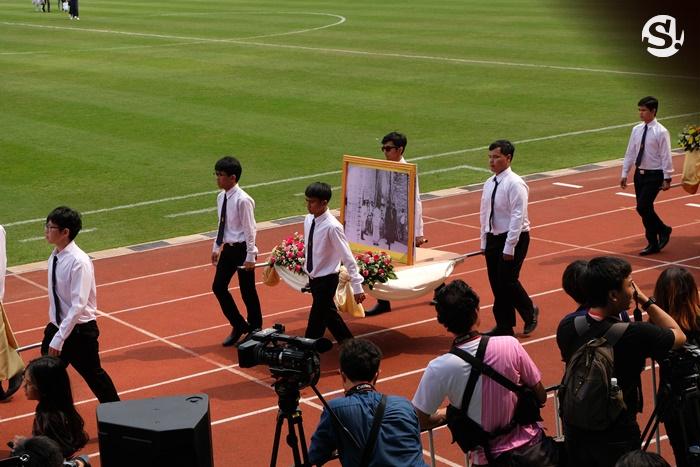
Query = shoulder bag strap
x=475 y=370
x=486 y=369
x=374 y=432
x=614 y=332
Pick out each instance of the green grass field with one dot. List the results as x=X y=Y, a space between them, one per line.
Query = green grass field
x=136 y=101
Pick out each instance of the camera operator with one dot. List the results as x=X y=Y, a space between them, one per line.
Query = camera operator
x=677 y=293
x=41 y=451
x=398 y=437
x=609 y=291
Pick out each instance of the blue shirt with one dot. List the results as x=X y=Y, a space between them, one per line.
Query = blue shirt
x=398 y=442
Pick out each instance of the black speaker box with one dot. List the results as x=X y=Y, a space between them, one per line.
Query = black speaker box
x=156 y=432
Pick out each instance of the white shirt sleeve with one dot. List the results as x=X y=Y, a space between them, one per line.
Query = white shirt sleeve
x=630 y=156
x=419 y=212
x=3 y=262
x=347 y=258
x=517 y=200
x=246 y=209
x=81 y=277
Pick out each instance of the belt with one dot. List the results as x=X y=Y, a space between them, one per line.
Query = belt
x=649 y=172
x=233 y=243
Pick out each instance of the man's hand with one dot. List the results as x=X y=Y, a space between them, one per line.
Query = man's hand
x=507 y=257
x=623 y=183
x=249 y=265
x=359 y=297
x=215 y=258
x=420 y=240
x=666 y=185
x=54 y=352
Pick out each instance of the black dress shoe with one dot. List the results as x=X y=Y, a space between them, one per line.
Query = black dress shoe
x=532 y=325
x=499 y=332
x=664 y=237
x=382 y=306
x=232 y=338
x=649 y=250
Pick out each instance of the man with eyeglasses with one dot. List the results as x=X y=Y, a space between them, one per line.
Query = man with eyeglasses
x=393 y=146
x=72 y=331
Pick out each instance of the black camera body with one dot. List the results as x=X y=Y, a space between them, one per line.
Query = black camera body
x=681 y=369
x=295 y=359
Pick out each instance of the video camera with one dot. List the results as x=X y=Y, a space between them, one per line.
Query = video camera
x=294 y=359
x=681 y=369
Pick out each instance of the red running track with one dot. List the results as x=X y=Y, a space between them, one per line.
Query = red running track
x=161 y=326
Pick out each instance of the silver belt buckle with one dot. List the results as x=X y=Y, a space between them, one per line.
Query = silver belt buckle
x=641 y=171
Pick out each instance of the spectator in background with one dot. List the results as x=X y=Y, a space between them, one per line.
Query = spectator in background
x=38 y=451
x=677 y=293
x=398 y=438
x=46 y=381
x=640 y=458
x=11 y=364
x=572 y=283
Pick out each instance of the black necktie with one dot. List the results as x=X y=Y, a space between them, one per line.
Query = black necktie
x=310 y=248
x=56 y=302
x=222 y=223
x=493 y=201
x=640 y=154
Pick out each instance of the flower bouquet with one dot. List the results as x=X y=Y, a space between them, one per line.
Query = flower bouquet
x=375 y=267
x=689 y=138
x=289 y=254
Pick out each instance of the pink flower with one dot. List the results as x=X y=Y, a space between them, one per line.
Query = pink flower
x=381 y=271
x=298 y=268
x=300 y=254
x=365 y=273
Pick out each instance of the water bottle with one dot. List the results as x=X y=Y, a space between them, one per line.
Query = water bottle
x=614 y=388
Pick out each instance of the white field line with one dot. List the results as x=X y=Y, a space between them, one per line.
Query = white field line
x=221 y=367
x=624 y=193
x=42 y=237
x=335 y=172
x=245 y=41
x=448 y=220
x=693 y=205
x=567 y=185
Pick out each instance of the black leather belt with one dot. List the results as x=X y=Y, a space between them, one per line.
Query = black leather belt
x=649 y=172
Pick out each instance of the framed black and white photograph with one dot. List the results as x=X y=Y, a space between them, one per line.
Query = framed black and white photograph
x=378 y=206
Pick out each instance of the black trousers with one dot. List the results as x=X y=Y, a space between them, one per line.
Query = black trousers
x=81 y=350
x=324 y=314
x=230 y=258
x=646 y=189
x=508 y=294
x=73 y=7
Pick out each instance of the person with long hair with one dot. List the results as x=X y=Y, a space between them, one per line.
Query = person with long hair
x=677 y=293
x=46 y=381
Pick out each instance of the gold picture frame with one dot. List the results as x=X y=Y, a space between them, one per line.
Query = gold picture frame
x=378 y=206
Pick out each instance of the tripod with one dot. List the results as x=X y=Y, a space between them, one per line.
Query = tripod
x=678 y=409
x=288 y=403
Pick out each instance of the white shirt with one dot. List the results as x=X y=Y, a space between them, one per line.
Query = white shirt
x=3 y=262
x=657 y=149
x=330 y=247
x=75 y=287
x=240 y=220
x=509 y=211
x=418 y=222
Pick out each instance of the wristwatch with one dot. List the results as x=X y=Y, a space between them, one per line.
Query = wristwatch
x=648 y=303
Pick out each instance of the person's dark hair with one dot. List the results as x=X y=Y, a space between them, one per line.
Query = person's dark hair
x=66 y=218
x=677 y=293
x=650 y=102
x=319 y=190
x=507 y=148
x=359 y=359
x=457 y=306
x=41 y=451
x=55 y=414
x=603 y=275
x=571 y=281
x=230 y=166
x=399 y=139
x=641 y=459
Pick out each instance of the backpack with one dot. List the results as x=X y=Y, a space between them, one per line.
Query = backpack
x=469 y=434
x=586 y=399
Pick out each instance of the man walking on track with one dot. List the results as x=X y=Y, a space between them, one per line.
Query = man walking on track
x=649 y=150
x=505 y=237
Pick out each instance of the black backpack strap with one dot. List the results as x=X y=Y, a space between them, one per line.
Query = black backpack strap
x=613 y=334
x=374 y=432
x=582 y=325
x=475 y=370
x=478 y=364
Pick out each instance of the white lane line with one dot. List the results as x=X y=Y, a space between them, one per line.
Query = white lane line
x=567 y=185
x=34 y=239
x=191 y=213
x=467 y=61
x=693 y=205
x=335 y=172
x=624 y=193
